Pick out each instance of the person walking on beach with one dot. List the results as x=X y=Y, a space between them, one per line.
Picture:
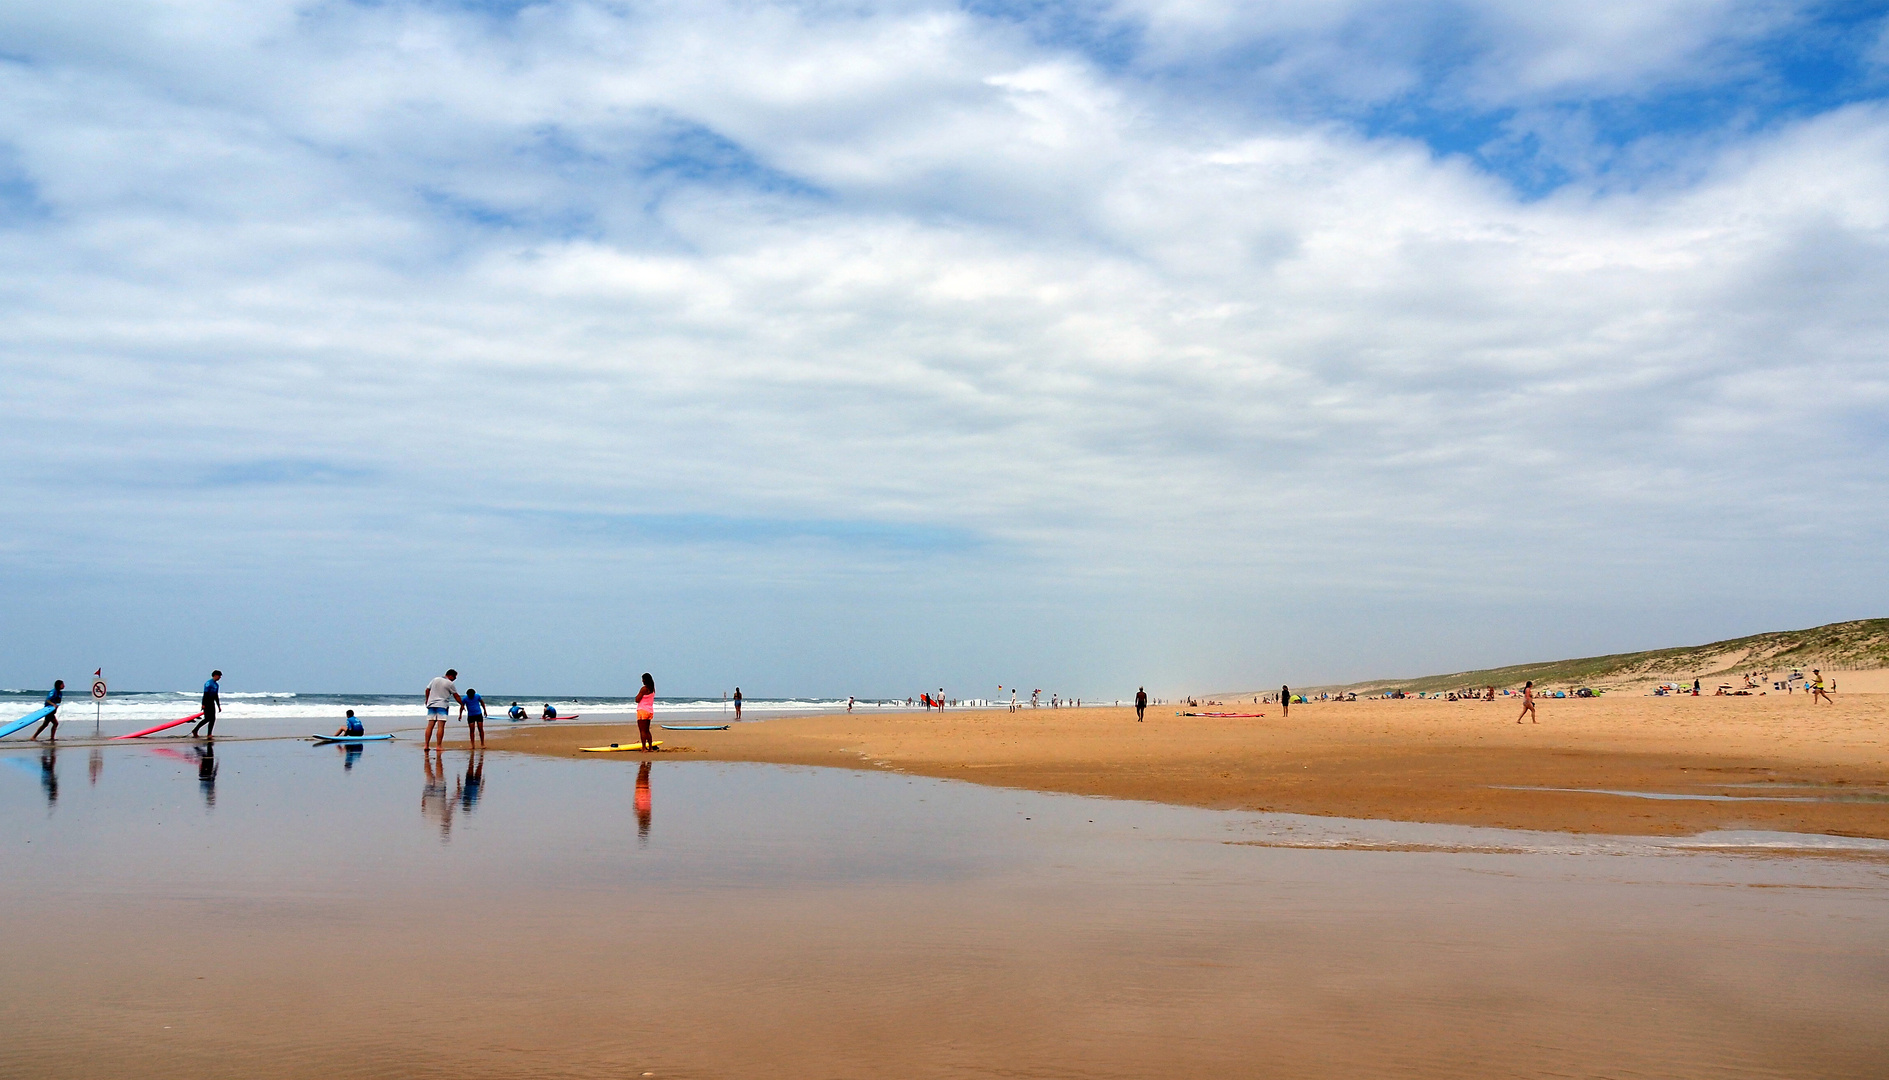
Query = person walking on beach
x=1817 y=692
x=737 y=701
x=472 y=711
x=212 y=701
x=440 y=696
x=1141 y=702
x=1528 y=702
x=646 y=710
x=1285 y=701
x=53 y=697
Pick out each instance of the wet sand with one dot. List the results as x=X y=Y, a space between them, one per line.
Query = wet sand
x=303 y=912
x=1827 y=767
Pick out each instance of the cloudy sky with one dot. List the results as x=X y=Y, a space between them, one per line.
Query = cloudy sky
x=862 y=347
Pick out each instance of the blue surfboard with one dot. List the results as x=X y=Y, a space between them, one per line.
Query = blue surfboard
x=25 y=720
x=349 y=738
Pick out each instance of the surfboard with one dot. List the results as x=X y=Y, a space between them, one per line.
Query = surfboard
x=1223 y=714
x=618 y=748
x=693 y=727
x=160 y=727
x=37 y=714
x=547 y=719
x=349 y=738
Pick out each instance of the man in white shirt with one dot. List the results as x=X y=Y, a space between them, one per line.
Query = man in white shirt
x=441 y=696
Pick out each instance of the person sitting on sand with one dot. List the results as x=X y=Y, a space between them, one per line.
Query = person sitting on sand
x=351 y=727
x=1817 y=692
x=1528 y=702
x=550 y=711
x=517 y=711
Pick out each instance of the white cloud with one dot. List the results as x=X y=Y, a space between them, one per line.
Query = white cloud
x=428 y=272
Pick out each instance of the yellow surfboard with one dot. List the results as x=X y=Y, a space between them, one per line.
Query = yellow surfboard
x=618 y=748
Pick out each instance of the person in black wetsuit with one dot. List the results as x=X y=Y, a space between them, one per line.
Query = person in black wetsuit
x=1285 y=701
x=212 y=701
x=1141 y=702
x=53 y=697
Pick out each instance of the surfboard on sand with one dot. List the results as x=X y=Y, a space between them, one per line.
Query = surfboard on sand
x=36 y=714
x=560 y=716
x=618 y=748
x=1223 y=714
x=160 y=727
x=693 y=727
x=349 y=738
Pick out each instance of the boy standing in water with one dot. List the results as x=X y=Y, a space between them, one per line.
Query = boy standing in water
x=53 y=697
x=212 y=701
x=472 y=711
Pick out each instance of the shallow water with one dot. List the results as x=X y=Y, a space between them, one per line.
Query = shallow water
x=274 y=908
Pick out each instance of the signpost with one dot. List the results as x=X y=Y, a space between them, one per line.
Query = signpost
x=98 y=699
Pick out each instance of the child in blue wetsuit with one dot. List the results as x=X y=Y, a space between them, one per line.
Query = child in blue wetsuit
x=472 y=709
x=53 y=697
x=352 y=727
x=517 y=711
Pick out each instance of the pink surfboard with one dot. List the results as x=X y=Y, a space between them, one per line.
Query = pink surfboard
x=160 y=727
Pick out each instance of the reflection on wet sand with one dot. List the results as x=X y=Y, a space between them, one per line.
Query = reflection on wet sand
x=472 y=785
x=642 y=802
x=95 y=765
x=350 y=753
x=49 y=773
x=435 y=805
x=206 y=773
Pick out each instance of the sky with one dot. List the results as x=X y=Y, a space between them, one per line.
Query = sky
x=863 y=348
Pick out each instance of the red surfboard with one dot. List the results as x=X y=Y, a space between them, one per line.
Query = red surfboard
x=160 y=727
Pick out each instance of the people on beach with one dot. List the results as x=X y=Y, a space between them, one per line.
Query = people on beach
x=646 y=710
x=212 y=703
x=1528 y=702
x=53 y=697
x=441 y=694
x=550 y=712
x=516 y=712
x=472 y=711
x=1817 y=691
x=350 y=726
x=1285 y=701
x=1695 y=688
x=849 y=703
x=738 y=703
x=1141 y=702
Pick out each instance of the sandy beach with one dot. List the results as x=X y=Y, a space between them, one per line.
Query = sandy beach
x=1773 y=762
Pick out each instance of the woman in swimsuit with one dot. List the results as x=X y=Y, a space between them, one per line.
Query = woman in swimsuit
x=646 y=710
x=1528 y=702
x=1817 y=691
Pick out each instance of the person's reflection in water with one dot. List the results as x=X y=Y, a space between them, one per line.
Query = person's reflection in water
x=473 y=785
x=49 y=773
x=206 y=773
x=643 y=801
x=96 y=765
x=434 y=803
